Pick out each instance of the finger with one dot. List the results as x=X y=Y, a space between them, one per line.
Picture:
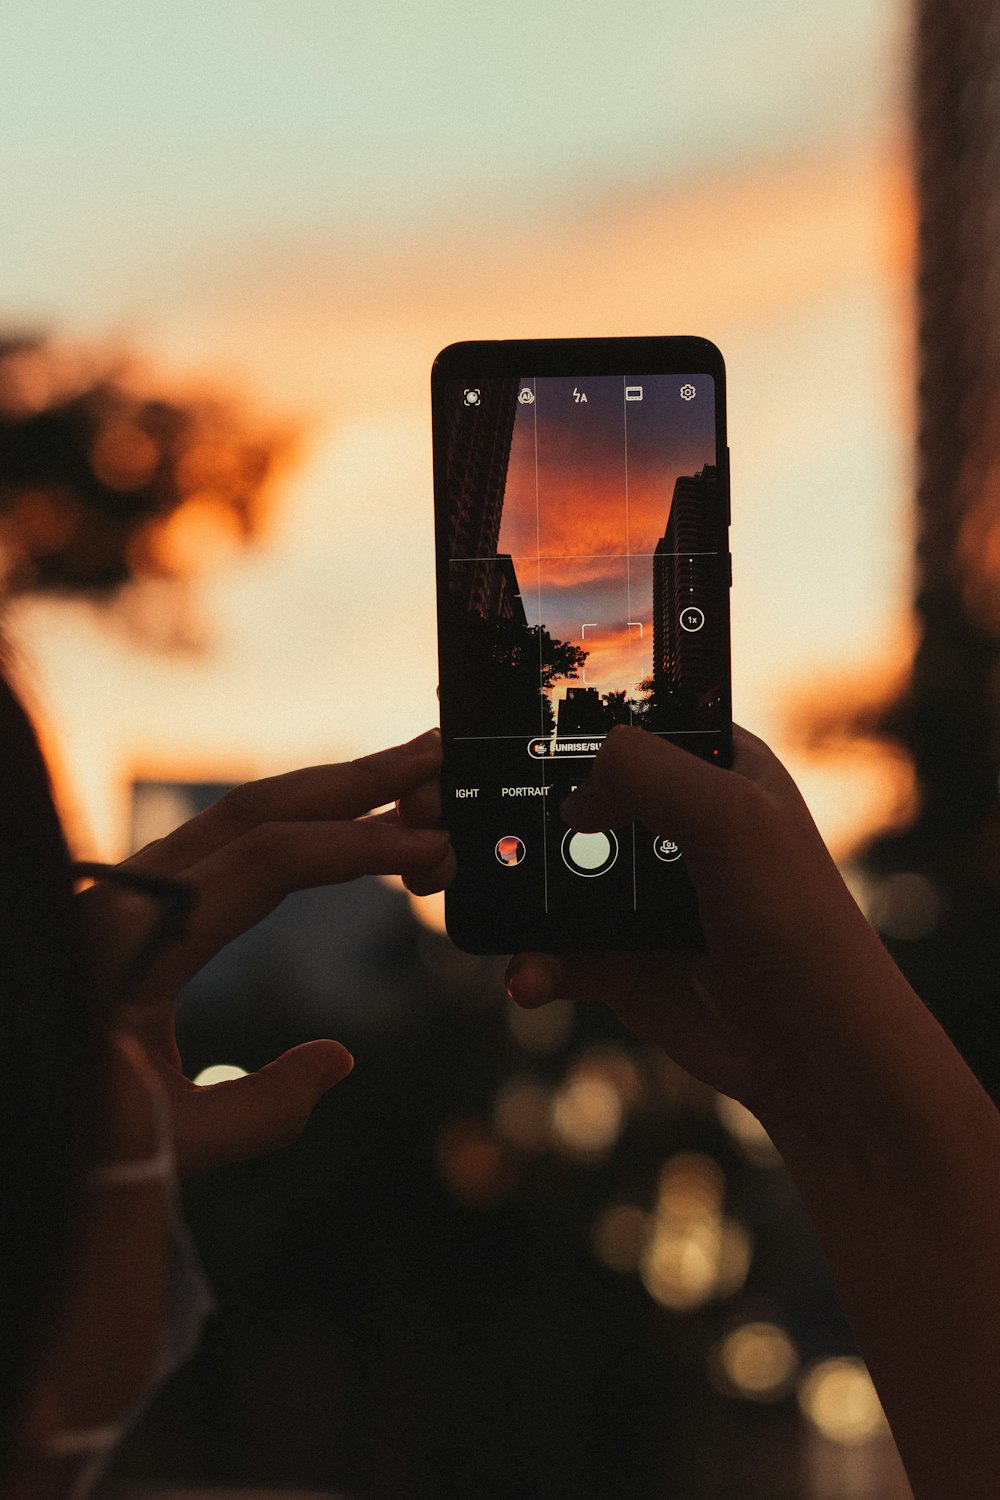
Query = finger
x=422 y=807
x=244 y=881
x=246 y=1117
x=338 y=792
x=422 y=881
x=638 y=775
x=534 y=979
x=757 y=762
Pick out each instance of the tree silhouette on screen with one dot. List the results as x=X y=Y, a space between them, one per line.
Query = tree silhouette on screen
x=498 y=681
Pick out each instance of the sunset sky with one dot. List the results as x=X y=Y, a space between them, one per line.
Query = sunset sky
x=587 y=499
x=302 y=203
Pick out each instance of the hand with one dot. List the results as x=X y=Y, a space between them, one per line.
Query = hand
x=790 y=958
x=241 y=858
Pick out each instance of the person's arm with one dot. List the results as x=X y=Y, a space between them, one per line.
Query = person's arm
x=900 y=1173
x=798 y=1010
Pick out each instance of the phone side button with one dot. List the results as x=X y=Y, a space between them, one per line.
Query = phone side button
x=730 y=570
x=729 y=489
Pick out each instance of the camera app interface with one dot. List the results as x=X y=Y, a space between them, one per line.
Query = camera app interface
x=585 y=548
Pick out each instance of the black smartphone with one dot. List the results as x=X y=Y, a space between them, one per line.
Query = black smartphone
x=582 y=512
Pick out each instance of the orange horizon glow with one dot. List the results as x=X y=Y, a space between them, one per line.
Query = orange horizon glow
x=319 y=642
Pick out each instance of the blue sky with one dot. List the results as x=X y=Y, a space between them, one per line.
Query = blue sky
x=126 y=125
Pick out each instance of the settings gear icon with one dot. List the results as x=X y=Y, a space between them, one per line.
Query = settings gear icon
x=687 y=393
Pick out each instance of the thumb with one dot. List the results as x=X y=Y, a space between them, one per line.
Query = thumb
x=638 y=775
x=247 y=1117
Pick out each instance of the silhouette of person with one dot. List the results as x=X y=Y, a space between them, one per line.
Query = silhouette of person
x=101 y=1295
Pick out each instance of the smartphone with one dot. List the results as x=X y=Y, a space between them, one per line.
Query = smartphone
x=583 y=575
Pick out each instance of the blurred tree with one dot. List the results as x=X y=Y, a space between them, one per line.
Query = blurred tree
x=103 y=482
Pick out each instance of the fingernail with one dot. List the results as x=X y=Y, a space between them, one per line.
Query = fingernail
x=430 y=740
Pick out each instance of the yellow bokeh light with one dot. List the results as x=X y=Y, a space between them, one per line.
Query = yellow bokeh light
x=620 y=1235
x=747 y=1131
x=695 y=1253
x=614 y=1063
x=195 y=539
x=691 y=1186
x=905 y=906
x=473 y=1164
x=756 y=1361
x=681 y=1262
x=837 y=1396
x=219 y=1073
x=587 y=1116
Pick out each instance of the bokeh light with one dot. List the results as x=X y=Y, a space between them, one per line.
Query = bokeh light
x=587 y=1116
x=691 y=1186
x=613 y=1062
x=747 y=1131
x=620 y=1235
x=904 y=906
x=681 y=1262
x=123 y=455
x=756 y=1361
x=522 y=1114
x=837 y=1396
x=474 y=1165
x=694 y=1252
x=219 y=1073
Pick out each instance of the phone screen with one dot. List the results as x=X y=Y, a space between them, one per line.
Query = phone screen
x=583 y=583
